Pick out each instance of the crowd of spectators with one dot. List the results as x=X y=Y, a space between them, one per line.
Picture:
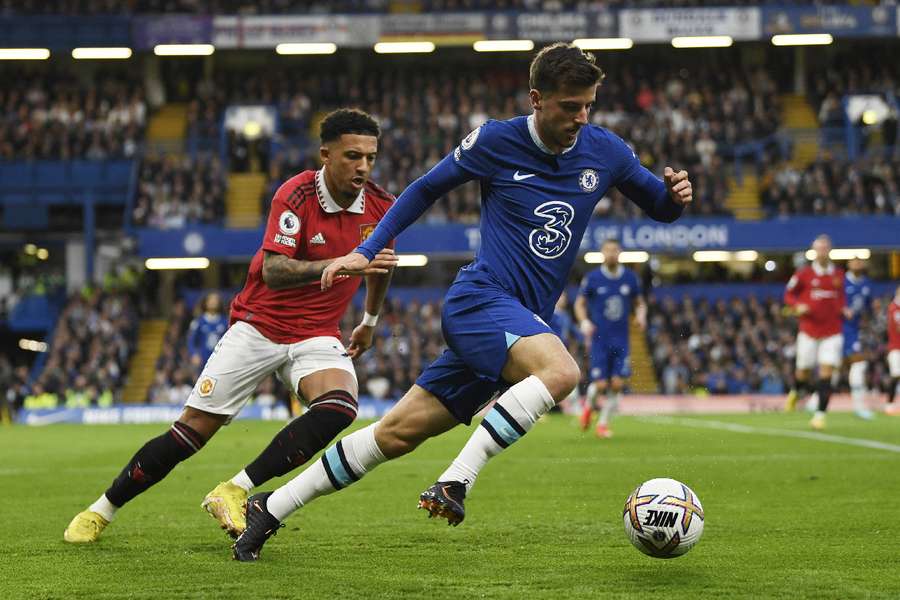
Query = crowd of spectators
x=665 y=115
x=834 y=186
x=740 y=346
x=174 y=191
x=87 y=359
x=53 y=115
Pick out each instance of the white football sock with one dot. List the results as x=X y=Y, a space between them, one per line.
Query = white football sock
x=342 y=464
x=103 y=507
x=242 y=480
x=609 y=407
x=592 y=395
x=511 y=417
x=857 y=380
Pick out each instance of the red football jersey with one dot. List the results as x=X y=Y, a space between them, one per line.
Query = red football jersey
x=305 y=223
x=893 y=326
x=822 y=290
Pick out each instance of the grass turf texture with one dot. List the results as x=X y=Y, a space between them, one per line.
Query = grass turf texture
x=786 y=518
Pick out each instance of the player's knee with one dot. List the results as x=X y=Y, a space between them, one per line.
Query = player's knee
x=561 y=378
x=204 y=423
x=396 y=439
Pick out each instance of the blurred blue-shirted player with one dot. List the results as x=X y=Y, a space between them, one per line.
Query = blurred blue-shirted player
x=605 y=303
x=206 y=330
x=541 y=176
x=859 y=301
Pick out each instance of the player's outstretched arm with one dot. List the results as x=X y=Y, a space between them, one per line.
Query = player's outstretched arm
x=281 y=272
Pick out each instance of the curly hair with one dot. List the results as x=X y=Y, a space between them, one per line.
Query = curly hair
x=347 y=120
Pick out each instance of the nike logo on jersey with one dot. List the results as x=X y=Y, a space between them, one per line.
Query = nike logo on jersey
x=317 y=239
x=518 y=177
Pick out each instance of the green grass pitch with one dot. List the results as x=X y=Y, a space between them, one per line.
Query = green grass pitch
x=786 y=517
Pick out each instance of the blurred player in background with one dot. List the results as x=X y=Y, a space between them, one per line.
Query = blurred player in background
x=282 y=322
x=815 y=294
x=858 y=292
x=541 y=177
x=893 y=357
x=603 y=308
x=206 y=330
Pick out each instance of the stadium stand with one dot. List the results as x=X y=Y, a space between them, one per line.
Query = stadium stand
x=668 y=124
x=94 y=338
x=743 y=345
x=177 y=191
x=834 y=186
x=54 y=115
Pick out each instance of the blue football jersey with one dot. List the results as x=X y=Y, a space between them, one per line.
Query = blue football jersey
x=859 y=298
x=535 y=205
x=610 y=299
x=204 y=333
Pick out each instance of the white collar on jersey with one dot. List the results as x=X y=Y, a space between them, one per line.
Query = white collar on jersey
x=854 y=278
x=820 y=270
x=609 y=274
x=326 y=201
x=532 y=129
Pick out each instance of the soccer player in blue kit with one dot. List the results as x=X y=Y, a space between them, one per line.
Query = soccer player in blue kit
x=206 y=330
x=858 y=290
x=603 y=307
x=541 y=176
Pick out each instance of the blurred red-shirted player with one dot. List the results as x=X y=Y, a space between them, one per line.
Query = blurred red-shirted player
x=816 y=295
x=282 y=322
x=893 y=357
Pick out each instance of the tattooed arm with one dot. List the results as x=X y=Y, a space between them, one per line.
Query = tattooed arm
x=280 y=272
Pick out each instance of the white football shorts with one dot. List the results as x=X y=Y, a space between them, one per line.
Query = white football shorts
x=819 y=351
x=894 y=363
x=244 y=357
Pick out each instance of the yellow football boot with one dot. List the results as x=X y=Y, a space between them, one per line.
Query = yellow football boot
x=86 y=527
x=817 y=422
x=226 y=504
x=791 y=404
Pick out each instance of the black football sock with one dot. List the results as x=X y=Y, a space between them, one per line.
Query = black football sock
x=299 y=440
x=824 y=390
x=154 y=461
x=892 y=393
x=802 y=388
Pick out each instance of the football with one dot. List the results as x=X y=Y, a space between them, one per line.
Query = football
x=663 y=518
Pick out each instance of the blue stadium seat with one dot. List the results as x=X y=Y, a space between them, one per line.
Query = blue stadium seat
x=50 y=173
x=87 y=173
x=118 y=172
x=16 y=198
x=12 y=174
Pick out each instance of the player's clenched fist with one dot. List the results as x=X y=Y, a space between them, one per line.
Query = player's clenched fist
x=357 y=264
x=679 y=186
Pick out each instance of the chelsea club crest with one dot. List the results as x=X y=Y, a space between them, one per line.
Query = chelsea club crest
x=588 y=180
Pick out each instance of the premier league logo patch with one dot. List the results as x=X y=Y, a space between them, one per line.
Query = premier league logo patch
x=469 y=140
x=588 y=180
x=288 y=223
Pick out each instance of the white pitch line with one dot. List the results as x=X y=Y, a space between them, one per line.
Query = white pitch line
x=808 y=435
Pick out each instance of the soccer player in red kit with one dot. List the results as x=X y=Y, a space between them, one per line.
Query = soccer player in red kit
x=816 y=295
x=282 y=322
x=893 y=357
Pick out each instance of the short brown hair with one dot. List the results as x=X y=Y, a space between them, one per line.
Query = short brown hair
x=563 y=65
